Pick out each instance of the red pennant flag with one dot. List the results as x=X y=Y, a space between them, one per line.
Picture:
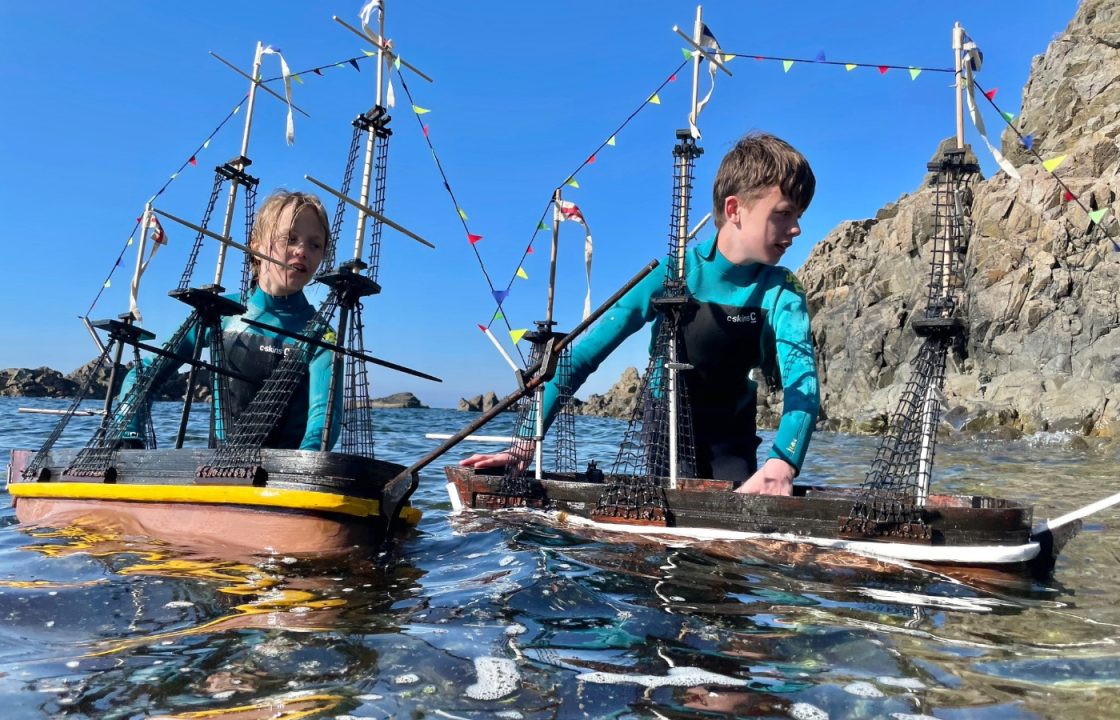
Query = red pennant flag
x=425 y=129
x=1068 y=196
x=472 y=239
x=193 y=161
x=883 y=69
x=673 y=77
x=529 y=250
x=590 y=159
x=759 y=58
x=482 y=327
x=991 y=94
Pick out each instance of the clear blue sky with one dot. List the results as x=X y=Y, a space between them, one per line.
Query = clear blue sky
x=103 y=101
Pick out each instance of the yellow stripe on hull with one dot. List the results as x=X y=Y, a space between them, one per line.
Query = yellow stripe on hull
x=201 y=494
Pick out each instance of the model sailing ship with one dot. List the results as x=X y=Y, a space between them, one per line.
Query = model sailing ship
x=893 y=514
x=238 y=492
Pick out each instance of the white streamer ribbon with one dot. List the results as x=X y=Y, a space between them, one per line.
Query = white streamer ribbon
x=567 y=210
x=290 y=130
x=709 y=43
x=158 y=238
x=971 y=62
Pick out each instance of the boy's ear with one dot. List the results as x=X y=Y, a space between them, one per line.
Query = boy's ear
x=731 y=205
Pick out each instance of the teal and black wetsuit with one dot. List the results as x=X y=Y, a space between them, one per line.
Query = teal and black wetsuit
x=255 y=352
x=746 y=316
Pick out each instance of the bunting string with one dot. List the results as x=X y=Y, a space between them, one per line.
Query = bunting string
x=914 y=70
x=1051 y=166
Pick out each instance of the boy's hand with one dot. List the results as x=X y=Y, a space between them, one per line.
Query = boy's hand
x=520 y=454
x=775 y=477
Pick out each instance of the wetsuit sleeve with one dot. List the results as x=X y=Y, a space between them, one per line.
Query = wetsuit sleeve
x=319 y=382
x=797 y=364
x=622 y=320
x=186 y=349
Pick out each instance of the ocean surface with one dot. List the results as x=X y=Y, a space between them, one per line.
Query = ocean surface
x=476 y=616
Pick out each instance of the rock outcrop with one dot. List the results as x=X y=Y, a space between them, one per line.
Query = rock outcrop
x=35 y=382
x=479 y=403
x=395 y=401
x=617 y=402
x=1041 y=280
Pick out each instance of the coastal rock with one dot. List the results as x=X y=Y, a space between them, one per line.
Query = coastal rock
x=618 y=402
x=35 y=382
x=479 y=403
x=1040 y=280
x=396 y=400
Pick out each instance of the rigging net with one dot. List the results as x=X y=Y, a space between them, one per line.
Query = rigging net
x=892 y=498
x=659 y=438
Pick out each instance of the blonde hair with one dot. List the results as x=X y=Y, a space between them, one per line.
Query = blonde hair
x=269 y=215
x=757 y=162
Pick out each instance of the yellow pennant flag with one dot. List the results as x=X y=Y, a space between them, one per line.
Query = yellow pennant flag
x=914 y=73
x=850 y=66
x=419 y=110
x=206 y=144
x=516 y=335
x=728 y=58
x=787 y=64
x=1097 y=215
x=572 y=183
x=130 y=242
x=108 y=283
x=522 y=274
x=611 y=141
x=174 y=175
x=462 y=213
x=1052 y=164
x=654 y=99
x=237 y=110
x=368 y=53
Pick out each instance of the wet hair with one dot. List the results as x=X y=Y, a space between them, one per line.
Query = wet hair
x=757 y=162
x=269 y=215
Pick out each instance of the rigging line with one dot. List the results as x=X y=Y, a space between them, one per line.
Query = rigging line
x=670 y=78
x=951 y=71
x=171 y=179
x=316 y=70
x=1035 y=153
x=458 y=207
x=525 y=253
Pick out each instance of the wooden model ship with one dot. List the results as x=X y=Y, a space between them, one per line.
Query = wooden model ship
x=237 y=493
x=892 y=515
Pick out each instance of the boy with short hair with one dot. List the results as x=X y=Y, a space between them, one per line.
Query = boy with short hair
x=748 y=313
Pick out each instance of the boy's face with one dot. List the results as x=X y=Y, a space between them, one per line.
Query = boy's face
x=298 y=241
x=760 y=230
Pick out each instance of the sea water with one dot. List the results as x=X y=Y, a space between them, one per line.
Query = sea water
x=483 y=616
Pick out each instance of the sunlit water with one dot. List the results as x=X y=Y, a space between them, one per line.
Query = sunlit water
x=479 y=617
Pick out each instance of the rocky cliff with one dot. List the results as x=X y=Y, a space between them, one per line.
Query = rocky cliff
x=1041 y=282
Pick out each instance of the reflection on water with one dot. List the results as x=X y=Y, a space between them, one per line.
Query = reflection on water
x=480 y=616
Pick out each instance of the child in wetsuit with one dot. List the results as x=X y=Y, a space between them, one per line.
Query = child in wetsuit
x=291 y=227
x=749 y=313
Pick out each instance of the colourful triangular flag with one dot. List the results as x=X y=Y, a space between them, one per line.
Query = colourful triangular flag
x=610 y=141
x=1008 y=116
x=355 y=64
x=687 y=53
x=728 y=57
x=914 y=73
x=130 y=242
x=1097 y=215
x=1067 y=196
x=850 y=66
x=237 y=110
x=516 y=335
x=108 y=283
x=787 y=64
x=425 y=129
x=497 y=316
x=1052 y=164
x=472 y=239
x=193 y=161
x=572 y=183
x=991 y=94
x=522 y=274
x=368 y=53
x=1028 y=141
x=462 y=213
x=297 y=78
x=654 y=99
x=820 y=56
x=397 y=63
x=318 y=72
x=529 y=250
x=419 y=110
x=673 y=77
x=883 y=69
x=590 y=159
x=500 y=296
x=206 y=144
x=174 y=175
x=541 y=225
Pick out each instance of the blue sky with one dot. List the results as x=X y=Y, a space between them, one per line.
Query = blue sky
x=105 y=100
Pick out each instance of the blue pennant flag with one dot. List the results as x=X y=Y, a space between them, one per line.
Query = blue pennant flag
x=500 y=296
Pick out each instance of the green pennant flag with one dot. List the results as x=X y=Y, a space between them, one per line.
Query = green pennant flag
x=1008 y=116
x=914 y=73
x=1097 y=215
x=297 y=78
x=610 y=141
x=787 y=64
x=572 y=183
x=462 y=213
x=542 y=226
x=687 y=53
x=497 y=316
x=397 y=62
